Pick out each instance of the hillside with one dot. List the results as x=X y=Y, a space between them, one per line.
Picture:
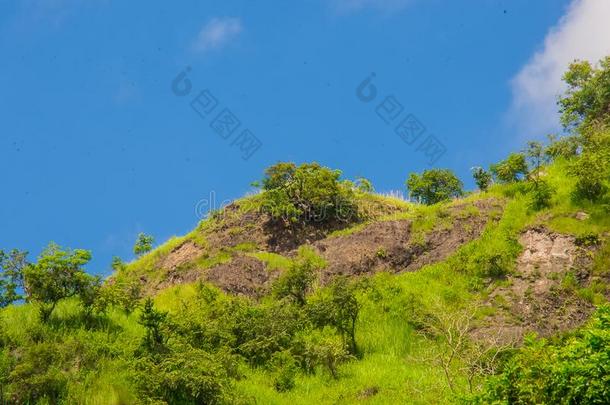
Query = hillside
x=416 y=266
x=319 y=290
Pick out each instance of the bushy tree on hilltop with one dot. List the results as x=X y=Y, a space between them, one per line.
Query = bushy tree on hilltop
x=309 y=193
x=435 y=185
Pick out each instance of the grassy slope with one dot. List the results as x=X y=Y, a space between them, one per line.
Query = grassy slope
x=395 y=363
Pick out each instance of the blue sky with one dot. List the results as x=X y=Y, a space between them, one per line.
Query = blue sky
x=95 y=147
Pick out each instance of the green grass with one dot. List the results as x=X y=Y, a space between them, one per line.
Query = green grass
x=273 y=261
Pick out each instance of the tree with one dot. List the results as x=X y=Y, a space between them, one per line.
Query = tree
x=279 y=175
x=338 y=306
x=58 y=274
x=11 y=276
x=322 y=348
x=541 y=191
x=125 y=295
x=297 y=280
x=434 y=186
x=117 y=264
x=536 y=157
x=482 y=178
x=309 y=192
x=592 y=168
x=143 y=244
x=456 y=351
x=561 y=147
x=587 y=99
x=152 y=320
x=510 y=170
x=364 y=185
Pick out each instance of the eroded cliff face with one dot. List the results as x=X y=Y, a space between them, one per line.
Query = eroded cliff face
x=541 y=295
x=387 y=245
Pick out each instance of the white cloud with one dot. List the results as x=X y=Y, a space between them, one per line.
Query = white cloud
x=216 y=33
x=582 y=33
x=345 y=6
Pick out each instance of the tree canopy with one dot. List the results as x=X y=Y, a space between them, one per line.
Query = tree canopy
x=435 y=185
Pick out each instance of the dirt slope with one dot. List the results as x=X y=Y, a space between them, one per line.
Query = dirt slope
x=540 y=296
x=380 y=246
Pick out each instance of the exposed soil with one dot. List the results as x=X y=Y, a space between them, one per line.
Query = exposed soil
x=390 y=246
x=183 y=254
x=244 y=275
x=257 y=228
x=380 y=246
x=534 y=299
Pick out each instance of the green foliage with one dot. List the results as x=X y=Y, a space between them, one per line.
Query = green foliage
x=510 y=170
x=338 y=306
x=592 y=168
x=144 y=244
x=280 y=175
x=541 y=194
x=364 y=185
x=123 y=295
x=11 y=276
x=285 y=369
x=574 y=371
x=433 y=186
x=565 y=147
x=153 y=321
x=587 y=99
x=296 y=282
x=185 y=376
x=309 y=193
x=482 y=178
x=322 y=348
x=117 y=264
x=59 y=274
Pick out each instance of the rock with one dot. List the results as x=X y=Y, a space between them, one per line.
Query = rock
x=581 y=216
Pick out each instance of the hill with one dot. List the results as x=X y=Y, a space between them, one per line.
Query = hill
x=319 y=290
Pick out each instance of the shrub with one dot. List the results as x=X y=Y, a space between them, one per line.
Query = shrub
x=153 y=321
x=564 y=147
x=57 y=275
x=143 y=244
x=185 y=376
x=285 y=370
x=337 y=306
x=541 y=194
x=321 y=348
x=510 y=170
x=296 y=282
x=573 y=371
x=309 y=193
x=482 y=178
x=592 y=168
x=433 y=186
x=364 y=185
